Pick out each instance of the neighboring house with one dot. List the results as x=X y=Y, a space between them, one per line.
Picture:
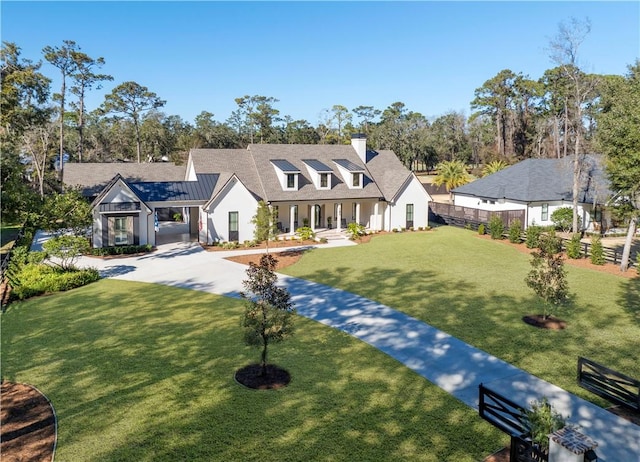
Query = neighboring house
x=539 y=187
x=219 y=189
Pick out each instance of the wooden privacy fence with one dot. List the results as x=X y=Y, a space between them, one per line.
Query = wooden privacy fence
x=457 y=215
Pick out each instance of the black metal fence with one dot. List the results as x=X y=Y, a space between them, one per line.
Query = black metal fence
x=507 y=416
x=611 y=385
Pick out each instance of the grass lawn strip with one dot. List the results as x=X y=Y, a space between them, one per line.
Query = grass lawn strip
x=474 y=289
x=145 y=372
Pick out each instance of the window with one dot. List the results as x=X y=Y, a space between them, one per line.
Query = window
x=324 y=180
x=120 y=234
x=545 y=212
x=356 y=180
x=409 y=212
x=291 y=180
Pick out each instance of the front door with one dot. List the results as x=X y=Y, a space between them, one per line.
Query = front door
x=233 y=227
x=318 y=222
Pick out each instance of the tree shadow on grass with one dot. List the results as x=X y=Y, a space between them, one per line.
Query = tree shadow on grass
x=630 y=297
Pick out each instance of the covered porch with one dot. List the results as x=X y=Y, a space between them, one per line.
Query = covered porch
x=320 y=215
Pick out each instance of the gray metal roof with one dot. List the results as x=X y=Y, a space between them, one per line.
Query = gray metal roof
x=91 y=178
x=317 y=165
x=285 y=166
x=539 y=180
x=192 y=191
x=350 y=166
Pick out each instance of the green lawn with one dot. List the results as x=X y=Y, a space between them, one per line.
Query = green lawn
x=474 y=289
x=144 y=372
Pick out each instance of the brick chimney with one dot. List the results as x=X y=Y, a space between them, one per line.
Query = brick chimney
x=359 y=143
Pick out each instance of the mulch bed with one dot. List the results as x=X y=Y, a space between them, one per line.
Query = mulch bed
x=27 y=424
x=251 y=377
x=551 y=322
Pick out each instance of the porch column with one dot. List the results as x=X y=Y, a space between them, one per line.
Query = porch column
x=377 y=217
x=292 y=216
x=358 y=212
x=339 y=216
x=312 y=218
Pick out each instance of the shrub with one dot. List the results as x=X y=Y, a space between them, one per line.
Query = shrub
x=496 y=227
x=230 y=245
x=574 y=247
x=356 y=230
x=66 y=249
x=540 y=421
x=533 y=236
x=481 y=229
x=597 y=251
x=121 y=250
x=36 y=279
x=515 y=231
x=305 y=233
x=562 y=219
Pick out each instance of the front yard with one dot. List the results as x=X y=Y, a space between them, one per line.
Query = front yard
x=145 y=372
x=474 y=289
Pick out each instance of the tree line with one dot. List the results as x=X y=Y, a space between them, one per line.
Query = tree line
x=515 y=117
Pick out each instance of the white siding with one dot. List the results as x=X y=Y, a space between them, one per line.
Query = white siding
x=234 y=198
x=413 y=193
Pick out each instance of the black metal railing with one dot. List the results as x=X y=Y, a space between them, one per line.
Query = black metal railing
x=611 y=385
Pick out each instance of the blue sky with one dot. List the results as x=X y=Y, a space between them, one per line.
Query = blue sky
x=311 y=55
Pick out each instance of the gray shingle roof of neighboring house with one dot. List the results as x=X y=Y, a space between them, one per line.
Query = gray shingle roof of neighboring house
x=159 y=191
x=296 y=154
x=93 y=177
x=539 y=180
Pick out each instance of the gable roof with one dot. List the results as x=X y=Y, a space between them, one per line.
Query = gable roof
x=541 y=180
x=115 y=180
x=92 y=178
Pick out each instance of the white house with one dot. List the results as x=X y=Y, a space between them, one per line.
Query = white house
x=323 y=186
x=539 y=187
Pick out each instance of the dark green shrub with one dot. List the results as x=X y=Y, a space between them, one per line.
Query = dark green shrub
x=496 y=227
x=533 y=236
x=121 y=250
x=574 y=247
x=597 y=251
x=515 y=231
x=36 y=279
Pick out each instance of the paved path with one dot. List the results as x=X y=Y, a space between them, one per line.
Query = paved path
x=444 y=360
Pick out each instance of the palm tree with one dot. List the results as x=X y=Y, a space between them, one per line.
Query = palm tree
x=451 y=173
x=493 y=167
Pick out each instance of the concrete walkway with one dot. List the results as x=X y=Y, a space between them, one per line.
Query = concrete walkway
x=442 y=359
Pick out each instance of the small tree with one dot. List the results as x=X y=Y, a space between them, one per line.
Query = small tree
x=547 y=277
x=265 y=224
x=268 y=317
x=533 y=236
x=66 y=211
x=496 y=227
x=562 y=219
x=515 y=231
x=574 y=247
x=66 y=249
x=597 y=251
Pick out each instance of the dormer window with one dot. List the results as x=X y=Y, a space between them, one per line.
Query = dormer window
x=352 y=174
x=319 y=173
x=288 y=174
x=356 y=180
x=324 y=180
